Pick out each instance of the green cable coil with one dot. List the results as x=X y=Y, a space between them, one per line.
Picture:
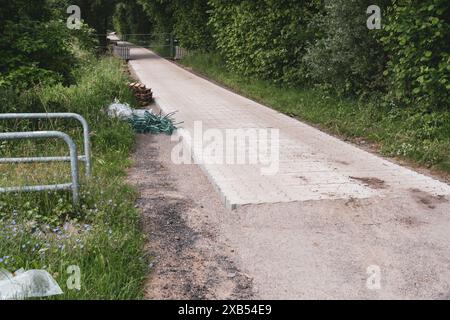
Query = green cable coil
x=153 y=123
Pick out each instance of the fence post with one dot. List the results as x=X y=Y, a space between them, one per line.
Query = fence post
x=172 y=54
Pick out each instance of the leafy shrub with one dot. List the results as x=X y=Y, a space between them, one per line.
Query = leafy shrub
x=264 y=39
x=129 y=18
x=346 y=56
x=187 y=20
x=416 y=39
x=44 y=230
x=191 y=24
x=36 y=47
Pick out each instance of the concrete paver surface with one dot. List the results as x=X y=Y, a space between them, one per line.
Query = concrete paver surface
x=312 y=165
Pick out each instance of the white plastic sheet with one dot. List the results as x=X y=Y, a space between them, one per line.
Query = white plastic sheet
x=120 y=110
x=27 y=284
x=124 y=111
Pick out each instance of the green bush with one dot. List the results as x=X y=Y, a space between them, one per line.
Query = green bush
x=187 y=20
x=160 y=13
x=35 y=52
x=346 y=56
x=36 y=46
x=129 y=18
x=416 y=39
x=190 y=28
x=265 y=39
x=43 y=230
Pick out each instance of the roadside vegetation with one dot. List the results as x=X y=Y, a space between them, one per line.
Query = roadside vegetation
x=44 y=230
x=58 y=71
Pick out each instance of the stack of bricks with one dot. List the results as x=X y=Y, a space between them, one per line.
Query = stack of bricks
x=143 y=95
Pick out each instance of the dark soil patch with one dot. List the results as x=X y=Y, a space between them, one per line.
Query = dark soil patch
x=187 y=262
x=427 y=199
x=371 y=182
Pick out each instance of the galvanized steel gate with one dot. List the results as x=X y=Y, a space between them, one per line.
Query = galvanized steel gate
x=164 y=44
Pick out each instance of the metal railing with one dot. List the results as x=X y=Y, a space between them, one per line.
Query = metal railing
x=162 y=43
x=74 y=185
x=86 y=158
x=122 y=52
x=180 y=53
x=73 y=157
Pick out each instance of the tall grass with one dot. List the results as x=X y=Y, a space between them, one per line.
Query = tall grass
x=415 y=135
x=43 y=230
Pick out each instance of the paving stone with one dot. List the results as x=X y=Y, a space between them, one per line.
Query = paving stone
x=312 y=164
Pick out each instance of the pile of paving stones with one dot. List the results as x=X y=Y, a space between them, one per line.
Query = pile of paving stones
x=143 y=94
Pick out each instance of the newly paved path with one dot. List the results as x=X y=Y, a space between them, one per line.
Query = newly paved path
x=312 y=165
x=332 y=212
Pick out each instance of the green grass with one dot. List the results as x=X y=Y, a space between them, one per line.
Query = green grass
x=43 y=230
x=409 y=134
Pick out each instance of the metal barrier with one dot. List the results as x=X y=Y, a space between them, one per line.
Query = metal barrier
x=73 y=161
x=180 y=53
x=122 y=52
x=120 y=44
x=87 y=144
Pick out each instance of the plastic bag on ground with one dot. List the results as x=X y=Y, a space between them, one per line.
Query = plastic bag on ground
x=119 y=110
x=124 y=111
x=27 y=284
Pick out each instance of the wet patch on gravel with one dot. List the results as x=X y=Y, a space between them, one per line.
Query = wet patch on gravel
x=426 y=199
x=187 y=261
x=371 y=182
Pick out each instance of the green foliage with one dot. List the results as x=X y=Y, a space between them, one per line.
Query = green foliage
x=416 y=39
x=265 y=39
x=129 y=18
x=187 y=20
x=35 y=52
x=160 y=13
x=98 y=15
x=43 y=230
x=190 y=28
x=345 y=56
x=36 y=47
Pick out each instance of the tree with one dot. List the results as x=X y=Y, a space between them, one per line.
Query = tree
x=346 y=56
x=34 y=45
x=98 y=15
